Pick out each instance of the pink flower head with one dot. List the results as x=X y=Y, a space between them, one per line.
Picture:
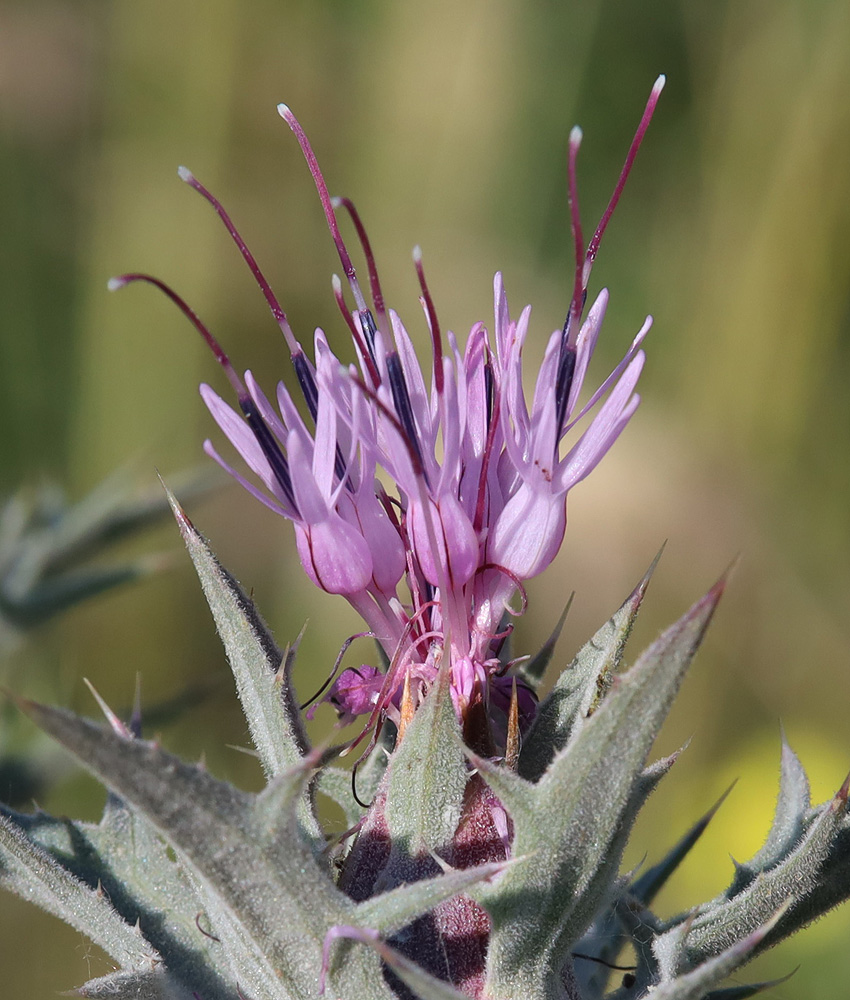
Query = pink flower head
x=480 y=472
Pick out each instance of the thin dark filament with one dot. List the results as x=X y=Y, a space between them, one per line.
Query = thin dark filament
x=329 y=681
x=577 y=301
x=601 y=961
x=192 y=316
x=250 y=260
x=374 y=280
x=433 y=323
x=325 y=198
x=206 y=934
x=646 y=118
x=357 y=799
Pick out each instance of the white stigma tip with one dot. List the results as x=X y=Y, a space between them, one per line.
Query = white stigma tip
x=658 y=86
x=576 y=135
x=336 y=202
x=283 y=111
x=115 y=283
x=336 y=284
x=185 y=174
x=417 y=254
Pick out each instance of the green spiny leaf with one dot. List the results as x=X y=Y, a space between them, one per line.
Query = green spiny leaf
x=426 y=777
x=246 y=883
x=388 y=912
x=580 y=687
x=604 y=940
x=789 y=882
x=566 y=823
x=260 y=671
x=788 y=822
x=153 y=985
x=750 y=990
x=695 y=984
x=30 y=872
x=125 y=856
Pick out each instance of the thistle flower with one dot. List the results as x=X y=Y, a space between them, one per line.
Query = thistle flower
x=485 y=861
x=481 y=473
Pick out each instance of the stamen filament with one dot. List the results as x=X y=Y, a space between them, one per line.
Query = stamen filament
x=433 y=324
x=184 y=307
x=250 y=260
x=374 y=280
x=327 y=204
x=577 y=302
x=646 y=118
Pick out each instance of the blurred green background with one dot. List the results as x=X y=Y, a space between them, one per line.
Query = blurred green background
x=447 y=124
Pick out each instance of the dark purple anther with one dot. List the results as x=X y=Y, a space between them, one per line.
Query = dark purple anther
x=401 y=401
x=271 y=449
x=306 y=380
x=563 y=384
x=367 y=322
x=488 y=390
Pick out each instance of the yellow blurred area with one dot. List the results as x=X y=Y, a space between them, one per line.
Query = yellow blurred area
x=447 y=124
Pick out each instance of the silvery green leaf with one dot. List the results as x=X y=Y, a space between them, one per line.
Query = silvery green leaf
x=799 y=874
x=567 y=822
x=46 y=542
x=581 y=686
x=604 y=940
x=389 y=911
x=426 y=777
x=423 y=985
x=125 y=856
x=789 y=821
x=269 y=903
x=153 y=985
x=260 y=671
x=695 y=984
x=30 y=872
x=833 y=887
x=56 y=594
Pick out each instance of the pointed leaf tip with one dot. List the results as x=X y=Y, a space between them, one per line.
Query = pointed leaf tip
x=643 y=584
x=180 y=515
x=840 y=800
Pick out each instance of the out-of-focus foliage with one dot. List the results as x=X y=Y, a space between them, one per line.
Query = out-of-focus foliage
x=447 y=124
x=54 y=555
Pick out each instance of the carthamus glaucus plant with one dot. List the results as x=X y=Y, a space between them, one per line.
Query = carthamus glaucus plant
x=486 y=823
